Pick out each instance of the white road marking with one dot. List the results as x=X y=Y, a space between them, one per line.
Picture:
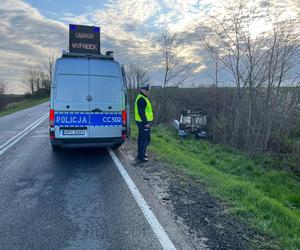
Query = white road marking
x=12 y=141
x=162 y=236
x=123 y=154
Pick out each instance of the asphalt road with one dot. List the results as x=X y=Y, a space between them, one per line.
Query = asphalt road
x=72 y=199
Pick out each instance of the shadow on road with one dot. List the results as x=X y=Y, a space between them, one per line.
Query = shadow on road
x=80 y=158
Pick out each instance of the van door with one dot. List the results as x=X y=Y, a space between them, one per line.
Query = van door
x=106 y=103
x=72 y=92
x=71 y=99
x=72 y=85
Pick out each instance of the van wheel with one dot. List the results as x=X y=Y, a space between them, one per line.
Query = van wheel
x=55 y=147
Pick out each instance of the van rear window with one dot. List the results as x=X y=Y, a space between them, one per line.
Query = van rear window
x=106 y=89
x=72 y=88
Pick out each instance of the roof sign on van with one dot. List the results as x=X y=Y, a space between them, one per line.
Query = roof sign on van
x=84 y=39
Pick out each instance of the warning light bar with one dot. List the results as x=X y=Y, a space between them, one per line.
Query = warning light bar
x=73 y=27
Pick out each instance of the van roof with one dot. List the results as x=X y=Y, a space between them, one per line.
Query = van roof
x=87 y=66
x=79 y=55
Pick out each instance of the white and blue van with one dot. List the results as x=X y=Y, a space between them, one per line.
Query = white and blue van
x=88 y=103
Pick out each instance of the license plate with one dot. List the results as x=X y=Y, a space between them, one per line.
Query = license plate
x=73 y=132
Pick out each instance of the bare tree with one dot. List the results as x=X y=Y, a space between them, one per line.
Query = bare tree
x=47 y=73
x=174 y=66
x=49 y=67
x=35 y=80
x=136 y=75
x=39 y=79
x=3 y=87
x=259 y=66
x=31 y=79
x=3 y=90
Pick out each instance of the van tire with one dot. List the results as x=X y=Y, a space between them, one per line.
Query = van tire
x=55 y=147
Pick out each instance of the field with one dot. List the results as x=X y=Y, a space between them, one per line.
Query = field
x=255 y=188
x=22 y=104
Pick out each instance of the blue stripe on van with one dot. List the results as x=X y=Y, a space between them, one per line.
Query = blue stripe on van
x=106 y=119
x=74 y=119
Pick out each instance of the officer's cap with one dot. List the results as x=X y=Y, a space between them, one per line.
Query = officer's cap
x=145 y=86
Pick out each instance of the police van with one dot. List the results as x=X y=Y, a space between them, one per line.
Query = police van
x=88 y=103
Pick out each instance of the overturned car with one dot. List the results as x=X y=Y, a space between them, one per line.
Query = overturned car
x=192 y=123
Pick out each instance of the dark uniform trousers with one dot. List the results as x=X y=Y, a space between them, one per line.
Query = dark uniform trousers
x=143 y=140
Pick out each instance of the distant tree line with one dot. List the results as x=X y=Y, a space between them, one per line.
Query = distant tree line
x=38 y=80
x=3 y=90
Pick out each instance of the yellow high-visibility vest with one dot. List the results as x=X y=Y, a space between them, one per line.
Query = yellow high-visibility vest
x=148 y=110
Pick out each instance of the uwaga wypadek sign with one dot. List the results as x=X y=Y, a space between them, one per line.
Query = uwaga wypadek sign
x=84 y=39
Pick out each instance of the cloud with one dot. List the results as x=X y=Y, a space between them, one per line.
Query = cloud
x=129 y=27
x=27 y=38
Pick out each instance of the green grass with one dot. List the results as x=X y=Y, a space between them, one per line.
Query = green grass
x=23 y=105
x=255 y=189
x=295 y=142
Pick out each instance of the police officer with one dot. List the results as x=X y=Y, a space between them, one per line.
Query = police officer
x=143 y=116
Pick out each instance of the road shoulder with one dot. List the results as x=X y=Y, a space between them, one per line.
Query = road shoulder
x=185 y=208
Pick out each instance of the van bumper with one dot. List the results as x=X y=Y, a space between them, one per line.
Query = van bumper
x=87 y=142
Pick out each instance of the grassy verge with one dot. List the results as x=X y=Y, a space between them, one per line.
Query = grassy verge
x=255 y=189
x=23 y=105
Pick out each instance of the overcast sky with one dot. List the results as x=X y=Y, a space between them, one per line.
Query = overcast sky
x=34 y=29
